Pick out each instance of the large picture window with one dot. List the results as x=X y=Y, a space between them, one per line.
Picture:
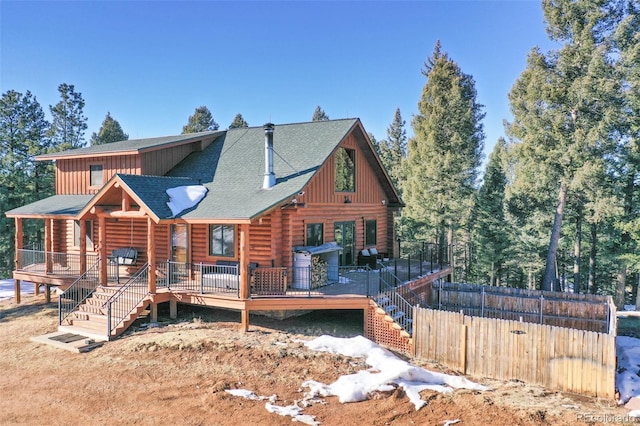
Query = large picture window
x=345 y=160
x=315 y=234
x=96 y=175
x=222 y=240
x=371 y=232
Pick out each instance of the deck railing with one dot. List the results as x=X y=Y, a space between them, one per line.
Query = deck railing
x=53 y=263
x=198 y=277
x=310 y=281
x=78 y=292
x=126 y=299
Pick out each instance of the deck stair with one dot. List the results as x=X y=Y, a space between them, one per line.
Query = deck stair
x=108 y=311
x=397 y=302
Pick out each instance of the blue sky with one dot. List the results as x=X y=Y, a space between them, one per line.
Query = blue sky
x=152 y=63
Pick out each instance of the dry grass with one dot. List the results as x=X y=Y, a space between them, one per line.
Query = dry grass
x=177 y=374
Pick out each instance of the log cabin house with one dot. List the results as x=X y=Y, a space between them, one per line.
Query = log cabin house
x=266 y=218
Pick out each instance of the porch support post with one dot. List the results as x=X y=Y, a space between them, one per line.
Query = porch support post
x=16 y=290
x=154 y=312
x=151 y=257
x=83 y=247
x=47 y=293
x=245 y=319
x=244 y=261
x=36 y=289
x=102 y=248
x=244 y=273
x=173 y=309
x=18 y=242
x=48 y=245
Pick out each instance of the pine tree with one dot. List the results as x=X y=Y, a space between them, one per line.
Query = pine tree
x=393 y=149
x=69 y=123
x=200 y=121
x=238 y=122
x=561 y=105
x=23 y=131
x=109 y=132
x=319 y=115
x=490 y=226
x=444 y=155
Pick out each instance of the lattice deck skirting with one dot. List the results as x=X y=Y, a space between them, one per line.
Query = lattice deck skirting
x=380 y=328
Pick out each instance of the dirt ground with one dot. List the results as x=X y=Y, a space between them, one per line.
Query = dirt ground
x=177 y=374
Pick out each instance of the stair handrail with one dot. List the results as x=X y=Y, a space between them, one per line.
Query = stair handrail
x=66 y=305
x=400 y=300
x=116 y=316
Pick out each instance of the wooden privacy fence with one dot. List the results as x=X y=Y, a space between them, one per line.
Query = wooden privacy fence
x=558 y=358
x=581 y=311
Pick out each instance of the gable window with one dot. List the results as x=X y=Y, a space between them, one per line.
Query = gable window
x=76 y=233
x=222 y=240
x=345 y=162
x=315 y=234
x=370 y=232
x=95 y=175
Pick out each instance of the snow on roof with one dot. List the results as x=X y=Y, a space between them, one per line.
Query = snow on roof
x=182 y=198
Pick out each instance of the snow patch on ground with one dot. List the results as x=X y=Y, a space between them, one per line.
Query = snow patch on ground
x=387 y=372
x=7 y=289
x=182 y=198
x=627 y=377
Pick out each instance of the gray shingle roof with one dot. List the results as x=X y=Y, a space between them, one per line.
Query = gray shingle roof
x=152 y=190
x=128 y=145
x=56 y=205
x=232 y=167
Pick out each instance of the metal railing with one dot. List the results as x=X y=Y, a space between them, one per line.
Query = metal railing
x=126 y=299
x=78 y=292
x=397 y=298
x=198 y=277
x=310 y=281
x=53 y=263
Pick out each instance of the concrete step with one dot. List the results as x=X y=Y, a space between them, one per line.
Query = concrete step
x=89 y=333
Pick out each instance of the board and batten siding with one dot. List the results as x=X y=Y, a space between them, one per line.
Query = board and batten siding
x=73 y=177
x=368 y=190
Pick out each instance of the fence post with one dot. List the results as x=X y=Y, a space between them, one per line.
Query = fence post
x=541 y=300
x=482 y=304
x=463 y=347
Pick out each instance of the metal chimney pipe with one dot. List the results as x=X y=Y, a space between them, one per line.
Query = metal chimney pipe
x=269 y=177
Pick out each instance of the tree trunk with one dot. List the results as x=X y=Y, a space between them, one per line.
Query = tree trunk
x=592 y=284
x=549 y=280
x=451 y=253
x=491 y=275
x=576 y=253
x=621 y=283
x=638 y=295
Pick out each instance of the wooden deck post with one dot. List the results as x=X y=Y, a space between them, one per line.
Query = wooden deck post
x=154 y=312
x=173 y=309
x=102 y=248
x=244 y=261
x=151 y=255
x=83 y=247
x=16 y=289
x=48 y=239
x=245 y=319
x=18 y=242
x=47 y=293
